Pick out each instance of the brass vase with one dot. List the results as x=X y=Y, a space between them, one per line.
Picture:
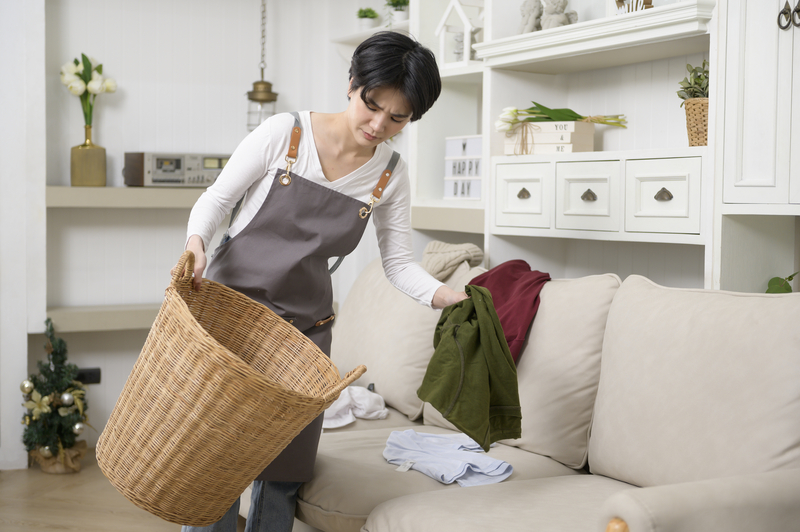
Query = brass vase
x=88 y=163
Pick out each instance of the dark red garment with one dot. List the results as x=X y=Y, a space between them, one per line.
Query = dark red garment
x=515 y=294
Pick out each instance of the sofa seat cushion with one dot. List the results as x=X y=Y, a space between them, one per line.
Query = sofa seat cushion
x=395 y=419
x=697 y=384
x=560 y=504
x=351 y=477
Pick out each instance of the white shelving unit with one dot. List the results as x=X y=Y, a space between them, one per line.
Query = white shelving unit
x=628 y=64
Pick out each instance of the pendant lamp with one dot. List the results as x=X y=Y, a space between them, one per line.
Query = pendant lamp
x=261 y=100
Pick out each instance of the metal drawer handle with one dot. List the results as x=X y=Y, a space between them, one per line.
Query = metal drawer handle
x=524 y=194
x=796 y=14
x=787 y=13
x=589 y=195
x=663 y=195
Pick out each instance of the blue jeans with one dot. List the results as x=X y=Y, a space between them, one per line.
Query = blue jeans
x=272 y=507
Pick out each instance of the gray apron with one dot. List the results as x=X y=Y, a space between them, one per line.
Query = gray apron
x=280 y=259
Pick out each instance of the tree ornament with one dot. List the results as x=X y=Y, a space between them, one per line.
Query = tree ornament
x=78 y=427
x=67 y=399
x=45 y=451
x=26 y=386
x=38 y=405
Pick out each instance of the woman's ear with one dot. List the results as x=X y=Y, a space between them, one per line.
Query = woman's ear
x=349 y=88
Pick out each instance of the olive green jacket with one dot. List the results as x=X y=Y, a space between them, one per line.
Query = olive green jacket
x=471 y=378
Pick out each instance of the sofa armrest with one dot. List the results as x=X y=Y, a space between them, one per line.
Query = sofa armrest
x=763 y=501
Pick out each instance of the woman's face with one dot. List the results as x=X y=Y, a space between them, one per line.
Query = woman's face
x=381 y=117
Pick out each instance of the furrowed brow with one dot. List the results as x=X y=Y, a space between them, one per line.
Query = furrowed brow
x=374 y=104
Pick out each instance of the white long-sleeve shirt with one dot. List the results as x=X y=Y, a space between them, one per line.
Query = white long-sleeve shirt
x=251 y=170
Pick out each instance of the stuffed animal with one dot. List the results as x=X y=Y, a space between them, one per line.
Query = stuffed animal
x=531 y=11
x=555 y=15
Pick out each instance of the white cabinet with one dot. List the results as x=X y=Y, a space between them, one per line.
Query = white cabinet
x=587 y=195
x=523 y=194
x=762 y=108
x=663 y=195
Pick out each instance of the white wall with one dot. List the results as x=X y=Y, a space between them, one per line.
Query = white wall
x=21 y=208
x=183 y=68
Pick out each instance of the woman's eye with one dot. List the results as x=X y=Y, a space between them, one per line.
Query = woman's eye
x=396 y=120
x=370 y=108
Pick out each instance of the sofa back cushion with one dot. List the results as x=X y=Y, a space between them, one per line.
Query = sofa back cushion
x=559 y=368
x=696 y=384
x=390 y=333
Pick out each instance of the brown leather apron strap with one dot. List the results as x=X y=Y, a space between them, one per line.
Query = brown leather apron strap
x=377 y=192
x=291 y=155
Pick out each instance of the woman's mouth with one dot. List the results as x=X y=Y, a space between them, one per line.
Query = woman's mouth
x=368 y=136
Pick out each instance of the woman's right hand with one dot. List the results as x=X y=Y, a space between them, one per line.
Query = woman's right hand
x=195 y=245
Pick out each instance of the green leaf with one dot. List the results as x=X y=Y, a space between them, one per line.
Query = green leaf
x=99 y=69
x=778 y=285
x=560 y=115
x=87 y=69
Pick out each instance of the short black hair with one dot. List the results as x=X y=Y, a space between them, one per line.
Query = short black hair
x=394 y=60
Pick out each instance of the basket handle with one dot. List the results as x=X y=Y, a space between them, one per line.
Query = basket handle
x=333 y=393
x=183 y=271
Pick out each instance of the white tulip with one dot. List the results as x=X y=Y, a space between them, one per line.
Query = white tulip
x=96 y=86
x=110 y=85
x=77 y=87
x=67 y=78
x=502 y=125
x=79 y=67
x=508 y=113
x=96 y=75
x=69 y=68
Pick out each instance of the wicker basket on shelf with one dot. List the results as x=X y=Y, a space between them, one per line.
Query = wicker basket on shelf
x=221 y=387
x=697 y=121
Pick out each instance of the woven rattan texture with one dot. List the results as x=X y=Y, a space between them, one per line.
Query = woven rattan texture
x=697 y=121
x=221 y=387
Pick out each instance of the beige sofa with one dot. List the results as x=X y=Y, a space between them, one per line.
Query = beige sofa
x=643 y=407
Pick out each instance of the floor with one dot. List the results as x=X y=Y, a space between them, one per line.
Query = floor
x=34 y=501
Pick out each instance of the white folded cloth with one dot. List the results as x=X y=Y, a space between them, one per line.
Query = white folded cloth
x=354 y=402
x=445 y=457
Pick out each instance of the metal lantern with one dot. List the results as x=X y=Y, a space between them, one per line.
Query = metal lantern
x=261 y=104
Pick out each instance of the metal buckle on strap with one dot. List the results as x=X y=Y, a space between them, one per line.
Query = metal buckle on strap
x=286 y=179
x=326 y=320
x=363 y=212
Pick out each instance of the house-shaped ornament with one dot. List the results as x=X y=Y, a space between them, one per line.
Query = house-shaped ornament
x=457 y=33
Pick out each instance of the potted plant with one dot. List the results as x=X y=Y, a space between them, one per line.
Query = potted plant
x=781 y=285
x=399 y=11
x=367 y=18
x=694 y=93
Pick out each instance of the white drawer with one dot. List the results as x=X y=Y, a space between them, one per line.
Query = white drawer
x=663 y=195
x=587 y=195
x=521 y=196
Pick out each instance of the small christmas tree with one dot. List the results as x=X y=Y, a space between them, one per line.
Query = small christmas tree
x=56 y=404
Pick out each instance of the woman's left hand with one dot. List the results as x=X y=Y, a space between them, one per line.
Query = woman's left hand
x=446 y=296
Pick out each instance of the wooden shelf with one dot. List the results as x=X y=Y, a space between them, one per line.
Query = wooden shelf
x=665 y=31
x=122 y=197
x=460 y=216
x=103 y=318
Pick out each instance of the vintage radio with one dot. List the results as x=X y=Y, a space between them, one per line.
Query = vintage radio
x=144 y=169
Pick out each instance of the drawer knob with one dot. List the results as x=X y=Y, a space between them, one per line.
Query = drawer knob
x=663 y=195
x=524 y=194
x=589 y=195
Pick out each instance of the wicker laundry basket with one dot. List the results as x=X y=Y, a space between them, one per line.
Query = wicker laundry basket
x=221 y=387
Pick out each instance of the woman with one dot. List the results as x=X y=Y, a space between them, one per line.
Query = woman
x=310 y=182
